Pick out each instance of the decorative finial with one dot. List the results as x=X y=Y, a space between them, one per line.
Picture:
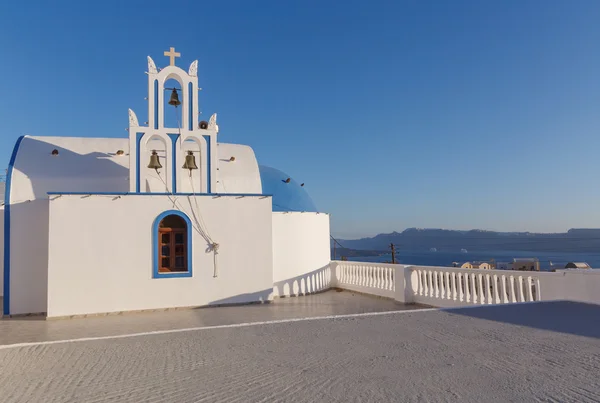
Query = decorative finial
x=171 y=54
x=212 y=122
x=133 y=120
x=193 y=71
x=151 y=66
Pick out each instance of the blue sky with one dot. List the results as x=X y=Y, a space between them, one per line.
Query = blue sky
x=396 y=114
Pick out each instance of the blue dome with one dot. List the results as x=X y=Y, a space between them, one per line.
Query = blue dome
x=286 y=196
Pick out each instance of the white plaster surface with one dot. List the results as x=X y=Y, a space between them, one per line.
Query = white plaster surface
x=101 y=249
x=533 y=352
x=1 y=250
x=301 y=254
x=573 y=285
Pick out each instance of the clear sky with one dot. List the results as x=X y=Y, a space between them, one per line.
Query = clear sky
x=396 y=114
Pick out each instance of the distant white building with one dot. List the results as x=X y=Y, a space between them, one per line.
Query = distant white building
x=476 y=265
x=577 y=265
x=525 y=264
x=503 y=266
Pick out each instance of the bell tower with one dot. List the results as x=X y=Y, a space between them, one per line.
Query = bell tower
x=172 y=159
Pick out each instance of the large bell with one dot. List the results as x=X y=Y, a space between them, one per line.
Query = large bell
x=174 y=98
x=154 y=161
x=190 y=161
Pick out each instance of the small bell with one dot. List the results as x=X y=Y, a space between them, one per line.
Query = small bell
x=190 y=161
x=154 y=161
x=174 y=99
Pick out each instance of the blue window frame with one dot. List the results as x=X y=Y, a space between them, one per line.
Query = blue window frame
x=172 y=245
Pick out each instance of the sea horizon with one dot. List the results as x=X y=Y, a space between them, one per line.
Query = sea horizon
x=548 y=260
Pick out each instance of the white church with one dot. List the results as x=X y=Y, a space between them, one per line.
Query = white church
x=166 y=218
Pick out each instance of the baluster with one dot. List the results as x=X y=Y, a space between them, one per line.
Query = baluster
x=377 y=277
x=461 y=290
x=453 y=281
x=431 y=287
x=388 y=278
x=538 y=290
x=529 y=288
x=443 y=284
x=364 y=277
x=473 y=290
x=496 y=294
x=504 y=289
x=426 y=282
x=520 y=284
x=374 y=277
x=467 y=287
x=393 y=279
x=421 y=281
x=511 y=283
x=488 y=290
x=435 y=280
x=480 y=290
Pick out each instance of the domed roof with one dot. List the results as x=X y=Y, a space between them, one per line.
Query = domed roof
x=287 y=196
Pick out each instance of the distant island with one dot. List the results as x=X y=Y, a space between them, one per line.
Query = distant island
x=574 y=240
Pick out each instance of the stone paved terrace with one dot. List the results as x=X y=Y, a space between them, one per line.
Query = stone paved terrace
x=37 y=329
x=548 y=351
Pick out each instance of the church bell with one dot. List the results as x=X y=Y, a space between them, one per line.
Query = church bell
x=190 y=161
x=154 y=161
x=174 y=98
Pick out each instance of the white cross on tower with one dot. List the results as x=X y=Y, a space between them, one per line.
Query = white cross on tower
x=171 y=54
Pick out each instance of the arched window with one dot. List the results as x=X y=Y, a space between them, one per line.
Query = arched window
x=172 y=245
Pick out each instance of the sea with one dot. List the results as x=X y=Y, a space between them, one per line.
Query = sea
x=548 y=260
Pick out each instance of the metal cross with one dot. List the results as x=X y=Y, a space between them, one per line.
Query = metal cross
x=171 y=54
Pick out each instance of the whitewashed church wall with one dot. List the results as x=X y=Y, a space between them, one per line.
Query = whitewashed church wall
x=301 y=253
x=101 y=254
x=1 y=250
x=28 y=256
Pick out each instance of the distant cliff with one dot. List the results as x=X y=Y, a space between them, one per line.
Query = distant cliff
x=574 y=240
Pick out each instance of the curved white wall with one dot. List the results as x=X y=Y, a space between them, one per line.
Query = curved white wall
x=301 y=253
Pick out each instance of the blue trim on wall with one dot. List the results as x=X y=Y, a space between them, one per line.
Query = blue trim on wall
x=208 y=172
x=155 y=256
x=191 y=108
x=157 y=194
x=138 y=140
x=11 y=164
x=156 y=104
x=174 y=138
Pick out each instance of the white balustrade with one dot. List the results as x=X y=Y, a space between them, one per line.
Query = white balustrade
x=455 y=287
x=449 y=286
x=368 y=278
